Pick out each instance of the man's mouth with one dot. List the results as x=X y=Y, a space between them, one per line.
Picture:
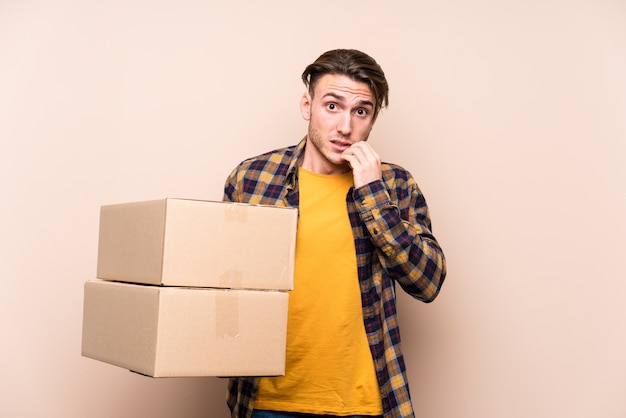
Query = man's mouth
x=341 y=146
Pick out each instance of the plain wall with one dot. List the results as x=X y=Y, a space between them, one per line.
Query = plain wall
x=510 y=114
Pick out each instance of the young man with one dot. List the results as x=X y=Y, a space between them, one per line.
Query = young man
x=363 y=227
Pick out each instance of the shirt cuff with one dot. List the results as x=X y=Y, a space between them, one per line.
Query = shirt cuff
x=371 y=197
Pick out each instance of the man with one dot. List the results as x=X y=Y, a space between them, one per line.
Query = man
x=363 y=227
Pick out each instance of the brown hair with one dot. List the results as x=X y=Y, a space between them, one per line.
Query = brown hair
x=355 y=64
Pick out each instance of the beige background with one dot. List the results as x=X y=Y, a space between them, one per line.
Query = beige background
x=511 y=115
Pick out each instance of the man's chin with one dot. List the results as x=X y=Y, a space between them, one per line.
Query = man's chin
x=341 y=164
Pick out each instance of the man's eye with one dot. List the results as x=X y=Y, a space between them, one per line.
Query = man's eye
x=331 y=106
x=361 y=112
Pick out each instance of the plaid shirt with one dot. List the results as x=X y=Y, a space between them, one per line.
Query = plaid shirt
x=394 y=244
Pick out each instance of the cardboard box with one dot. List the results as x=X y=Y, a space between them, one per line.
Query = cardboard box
x=176 y=332
x=180 y=242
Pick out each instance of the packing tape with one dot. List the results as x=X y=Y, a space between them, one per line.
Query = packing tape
x=227 y=314
x=236 y=213
x=231 y=279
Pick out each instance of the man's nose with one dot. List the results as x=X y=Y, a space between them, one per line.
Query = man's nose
x=344 y=124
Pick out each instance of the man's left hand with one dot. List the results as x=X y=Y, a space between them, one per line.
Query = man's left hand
x=365 y=163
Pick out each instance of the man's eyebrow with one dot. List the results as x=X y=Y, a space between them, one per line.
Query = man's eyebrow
x=341 y=98
x=336 y=96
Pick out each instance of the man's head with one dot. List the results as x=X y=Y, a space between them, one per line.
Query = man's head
x=346 y=90
x=353 y=64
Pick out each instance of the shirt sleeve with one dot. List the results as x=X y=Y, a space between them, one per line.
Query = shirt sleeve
x=399 y=227
x=230 y=186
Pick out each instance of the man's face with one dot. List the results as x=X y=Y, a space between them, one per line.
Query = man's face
x=340 y=113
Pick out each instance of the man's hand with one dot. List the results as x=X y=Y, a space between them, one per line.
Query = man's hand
x=365 y=163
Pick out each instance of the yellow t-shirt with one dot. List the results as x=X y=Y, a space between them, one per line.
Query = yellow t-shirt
x=329 y=366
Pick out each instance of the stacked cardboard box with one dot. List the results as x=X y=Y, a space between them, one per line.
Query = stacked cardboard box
x=191 y=288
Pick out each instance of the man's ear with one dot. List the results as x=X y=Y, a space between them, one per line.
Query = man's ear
x=305 y=106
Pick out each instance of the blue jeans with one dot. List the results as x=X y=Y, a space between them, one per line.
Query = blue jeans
x=276 y=414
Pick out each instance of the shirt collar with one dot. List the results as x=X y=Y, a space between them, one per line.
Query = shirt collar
x=296 y=161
